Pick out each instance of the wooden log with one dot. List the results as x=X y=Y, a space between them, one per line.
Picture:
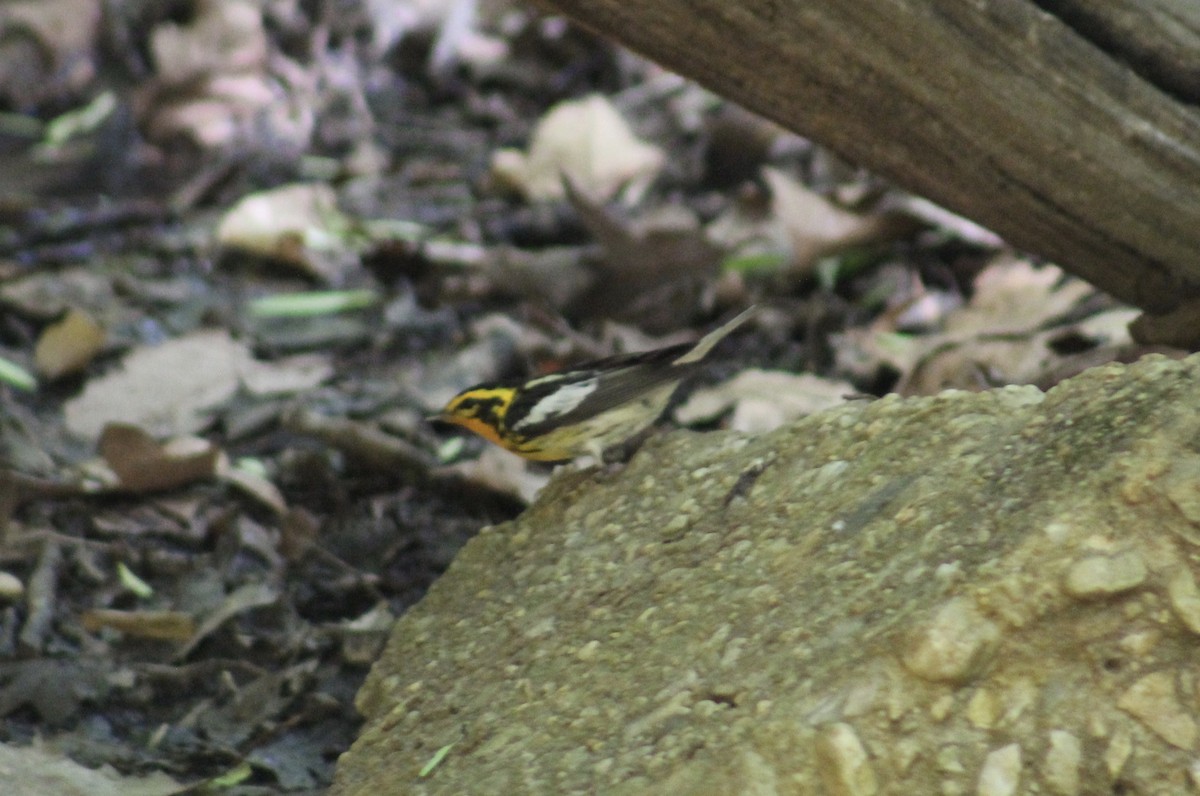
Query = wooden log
x=1067 y=134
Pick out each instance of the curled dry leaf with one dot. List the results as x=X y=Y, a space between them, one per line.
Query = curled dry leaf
x=69 y=345
x=143 y=465
x=763 y=400
x=587 y=141
x=242 y=599
x=803 y=225
x=364 y=636
x=254 y=484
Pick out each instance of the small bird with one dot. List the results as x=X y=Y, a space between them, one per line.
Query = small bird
x=585 y=409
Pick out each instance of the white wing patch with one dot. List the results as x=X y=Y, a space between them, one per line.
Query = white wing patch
x=559 y=402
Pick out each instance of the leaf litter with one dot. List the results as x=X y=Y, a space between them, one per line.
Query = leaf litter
x=248 y=265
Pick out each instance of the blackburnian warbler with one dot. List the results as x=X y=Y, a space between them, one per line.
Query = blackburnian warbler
x=585 y=409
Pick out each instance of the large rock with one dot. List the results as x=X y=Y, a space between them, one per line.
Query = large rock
x=986 y=593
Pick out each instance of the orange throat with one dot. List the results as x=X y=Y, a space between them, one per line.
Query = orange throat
x=477 y=426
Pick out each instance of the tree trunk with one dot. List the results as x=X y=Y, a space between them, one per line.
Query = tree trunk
x=1072 y=132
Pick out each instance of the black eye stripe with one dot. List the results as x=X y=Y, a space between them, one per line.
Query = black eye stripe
x=489 y=409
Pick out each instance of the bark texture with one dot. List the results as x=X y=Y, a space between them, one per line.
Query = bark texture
x=1067 y=126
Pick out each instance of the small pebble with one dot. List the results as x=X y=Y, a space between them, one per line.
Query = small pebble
x=1102 y=576
x=11 y=587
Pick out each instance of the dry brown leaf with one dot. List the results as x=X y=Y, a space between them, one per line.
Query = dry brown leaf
x=987 y=360
x=46 y=294
x=653 y=269
x=213 y=112
x=587 y=141
x=244 y=598
x=69 y=345
x=364 y=636
x=143 y=465
x=158 y=625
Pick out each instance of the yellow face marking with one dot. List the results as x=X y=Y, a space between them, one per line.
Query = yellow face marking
x=480 y=411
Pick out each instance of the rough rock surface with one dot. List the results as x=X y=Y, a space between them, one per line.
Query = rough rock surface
x=973 y=593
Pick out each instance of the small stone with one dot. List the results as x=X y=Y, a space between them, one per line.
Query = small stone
x=1185 y=598
x=844 y=764
x=1152 y=701
x=1140 y=643
x=1103 y=576
x=950 y=648
x=1001 y=772
x=983 y=709
x=11 y=587
x=1063 y=758
x=941 y=707
x=1120 y=747
x=588 y=651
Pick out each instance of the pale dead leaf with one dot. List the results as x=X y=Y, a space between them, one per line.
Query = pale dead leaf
x=1014 y=297
x=143 y=465
x=501 y=472
x=38 y=770
x=167 y=390
x=215 y=111
x=69 y=345
x=763 y=400
x=223 y=36
x=292 y=224
x=171 y=389
x=291 y=375
x=217 y=84
x=816 y=226
x=587 y=141
x=986 y=360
